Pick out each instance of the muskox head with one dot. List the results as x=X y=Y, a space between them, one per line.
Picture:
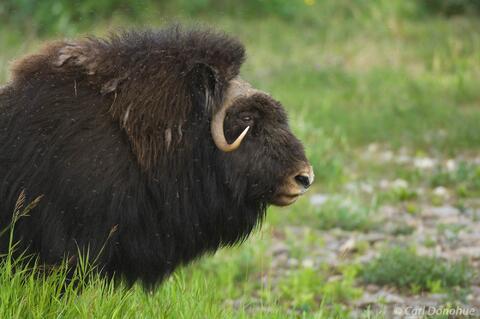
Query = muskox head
x=265 y=155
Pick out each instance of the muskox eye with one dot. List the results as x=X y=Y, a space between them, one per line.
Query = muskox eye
x=247 y=118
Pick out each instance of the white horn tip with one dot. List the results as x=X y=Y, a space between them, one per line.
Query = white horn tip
x=240 y=138
x=238 y=141
x=245 y=132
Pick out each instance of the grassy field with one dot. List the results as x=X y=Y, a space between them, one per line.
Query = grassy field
x=386 y=98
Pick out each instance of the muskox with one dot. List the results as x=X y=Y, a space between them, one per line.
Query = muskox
x=146 y=148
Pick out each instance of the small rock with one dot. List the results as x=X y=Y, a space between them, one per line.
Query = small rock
x=440 y=212
x=386 y=156
x=351 y=187
x=441 y=191
x=292 y=262
x=475 y=291
x=437 y=297
x=403 y=159
x=366 y=300
x=297 y=231
x=372 y=288
x=424 y=162
x=470 y=238
x=389 y=211
x=348 y=247
x=471 y=252
x=234 y=303
x=307 y=263
x=335 y=278
x=389 y=297
x=279 y=249
x=373 y=299
x=384 y=184
x=367 y=188
x=332 y=245
x=367 y=257
x=374 y=237
x=279 y=261
x=331 y=259
x=319 y=199
x=372 y=147
x=400 y=183
x=451 y=165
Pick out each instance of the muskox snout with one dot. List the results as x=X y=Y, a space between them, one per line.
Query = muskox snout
x=294 y=186
x=304 y=178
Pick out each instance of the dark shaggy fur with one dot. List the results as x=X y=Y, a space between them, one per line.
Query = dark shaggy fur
x=115 y=134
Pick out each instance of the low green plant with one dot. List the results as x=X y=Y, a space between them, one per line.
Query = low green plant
x=336 y=213
x=398 y=194
x=465 y=177
x=343 y=290
x=451 y=7
x=403 y=229
x=303 y=288
x=308 y=290
x=404 y=268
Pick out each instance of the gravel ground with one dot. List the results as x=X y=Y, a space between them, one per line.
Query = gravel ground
x=438 y=226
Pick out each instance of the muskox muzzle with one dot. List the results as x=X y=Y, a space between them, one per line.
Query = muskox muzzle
x=294 y=186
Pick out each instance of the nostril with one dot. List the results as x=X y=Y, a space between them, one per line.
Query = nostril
x=303 y=180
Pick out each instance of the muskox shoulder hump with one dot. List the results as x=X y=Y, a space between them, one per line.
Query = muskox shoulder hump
x=110 y=60
x=148 y=81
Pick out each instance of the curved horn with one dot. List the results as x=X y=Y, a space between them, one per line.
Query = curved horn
x=237 y=88
x=219 y=137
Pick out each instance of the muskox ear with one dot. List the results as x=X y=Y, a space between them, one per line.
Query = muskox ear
x=203 y=86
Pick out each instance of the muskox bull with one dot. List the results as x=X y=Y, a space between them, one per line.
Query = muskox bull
x=147 y=148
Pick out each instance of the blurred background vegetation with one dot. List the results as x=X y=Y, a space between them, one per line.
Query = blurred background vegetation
x=69 y=17
x=385 y=96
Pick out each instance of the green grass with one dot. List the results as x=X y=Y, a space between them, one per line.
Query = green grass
x=350 y=74
x=209 y=289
